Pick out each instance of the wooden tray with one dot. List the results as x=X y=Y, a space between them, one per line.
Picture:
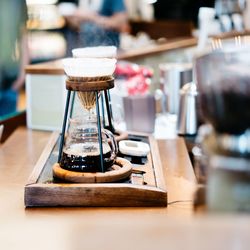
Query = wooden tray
x=145 y=187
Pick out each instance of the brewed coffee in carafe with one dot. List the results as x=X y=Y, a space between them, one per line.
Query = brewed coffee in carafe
x=82 y=149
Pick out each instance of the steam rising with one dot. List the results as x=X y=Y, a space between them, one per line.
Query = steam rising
x=90 y=35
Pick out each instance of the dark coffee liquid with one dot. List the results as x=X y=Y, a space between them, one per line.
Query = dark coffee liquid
x=227 y=106
x=85 y=163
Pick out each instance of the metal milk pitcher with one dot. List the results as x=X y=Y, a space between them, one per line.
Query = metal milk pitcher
x=187 y=115
x=173 y=77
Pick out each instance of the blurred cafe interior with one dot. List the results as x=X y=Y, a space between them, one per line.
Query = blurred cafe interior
x=125 y=122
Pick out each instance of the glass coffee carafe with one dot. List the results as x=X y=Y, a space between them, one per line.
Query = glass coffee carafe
x=86 y=147
x=81 y=151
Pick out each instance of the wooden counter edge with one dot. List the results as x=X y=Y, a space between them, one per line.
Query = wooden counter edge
x=157 y=49
x=55 y=67
x=48 y=68
x=42 y=159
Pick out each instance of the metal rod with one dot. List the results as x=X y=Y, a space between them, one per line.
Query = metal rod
x=72 y=104
x=103 y=115
x=64 y=126
x=109 y=99
x=110 y=126
x=99 y=132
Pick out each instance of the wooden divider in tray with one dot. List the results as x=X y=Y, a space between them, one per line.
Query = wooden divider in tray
x=144 y=187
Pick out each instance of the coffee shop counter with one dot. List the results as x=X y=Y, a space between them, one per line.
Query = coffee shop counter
x=131 y=55
x=46 y=81
x=176 y=226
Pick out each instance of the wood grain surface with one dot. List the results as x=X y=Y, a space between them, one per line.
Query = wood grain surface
x=120 y=170
x=174 y=227
x=90 y=86
x=68 y=188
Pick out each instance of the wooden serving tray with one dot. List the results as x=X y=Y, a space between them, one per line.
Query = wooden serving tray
x=145 y=187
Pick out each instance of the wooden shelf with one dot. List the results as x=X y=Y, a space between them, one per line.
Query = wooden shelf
x=56 y=67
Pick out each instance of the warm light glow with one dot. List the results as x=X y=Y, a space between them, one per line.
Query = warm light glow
x=30 y=2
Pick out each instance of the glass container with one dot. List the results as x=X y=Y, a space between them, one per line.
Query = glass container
x=223 y=78
x=81 y=151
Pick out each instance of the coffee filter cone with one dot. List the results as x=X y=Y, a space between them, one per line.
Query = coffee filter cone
x=89 y=67
x=87 y=99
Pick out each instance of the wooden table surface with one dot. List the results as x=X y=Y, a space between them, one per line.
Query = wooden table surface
x=174 y=227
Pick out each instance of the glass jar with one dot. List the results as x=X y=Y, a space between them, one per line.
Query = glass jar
x=223 y=80
x=81 y=151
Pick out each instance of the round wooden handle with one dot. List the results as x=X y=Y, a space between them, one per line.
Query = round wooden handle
x=119 y=171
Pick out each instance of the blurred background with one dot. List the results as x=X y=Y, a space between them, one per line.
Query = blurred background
x=158 y=44
x=52 y=33
x=150 y=20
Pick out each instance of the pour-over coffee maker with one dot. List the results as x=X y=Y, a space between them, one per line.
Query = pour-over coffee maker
x=223 y=78
x=87 y=149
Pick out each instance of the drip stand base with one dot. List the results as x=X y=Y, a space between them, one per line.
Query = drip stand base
x=119 y=171
x=145 y=187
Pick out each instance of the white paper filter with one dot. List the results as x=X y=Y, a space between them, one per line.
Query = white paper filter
x=95 y=52
x=89 y=67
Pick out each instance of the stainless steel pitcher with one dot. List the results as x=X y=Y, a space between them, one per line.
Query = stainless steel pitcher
x=187 y=115
x=172 y=77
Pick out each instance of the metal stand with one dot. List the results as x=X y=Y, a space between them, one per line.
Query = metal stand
x=99 y=132
x=88 y=86
x=103 y=112
x=108 y=108
x=64 y=126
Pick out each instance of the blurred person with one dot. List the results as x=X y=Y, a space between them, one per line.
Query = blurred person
x=99 y=22
x=13 y=52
